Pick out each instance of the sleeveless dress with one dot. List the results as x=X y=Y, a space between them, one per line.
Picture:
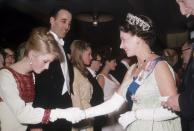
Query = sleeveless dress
x=147 y=96
x=110 y=86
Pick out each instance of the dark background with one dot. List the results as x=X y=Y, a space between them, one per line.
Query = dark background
x=18 y=17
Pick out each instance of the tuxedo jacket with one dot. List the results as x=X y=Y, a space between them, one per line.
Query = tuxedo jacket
x=98 y=95
x=186 y=98
x=119 y=72
x=48 y=94
x=97 y=98
x=48 y=88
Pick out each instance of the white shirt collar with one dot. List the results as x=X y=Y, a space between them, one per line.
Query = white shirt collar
x=59 y=40
x=125 y=63
x=92 y=72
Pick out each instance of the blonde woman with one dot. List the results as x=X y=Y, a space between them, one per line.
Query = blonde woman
x=82 y=88
x=17 y=85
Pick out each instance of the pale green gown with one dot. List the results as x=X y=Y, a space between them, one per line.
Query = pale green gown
x=147 y=96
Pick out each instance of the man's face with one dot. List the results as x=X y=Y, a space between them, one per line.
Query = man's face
x=186 y=7
x=97 y=63
x=61 y=23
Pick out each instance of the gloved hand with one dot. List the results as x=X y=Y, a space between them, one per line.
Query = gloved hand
x=72 y=114
x=127 y=118
x=109 y=106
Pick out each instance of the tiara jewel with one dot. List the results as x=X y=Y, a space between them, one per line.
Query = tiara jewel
x=134 y=20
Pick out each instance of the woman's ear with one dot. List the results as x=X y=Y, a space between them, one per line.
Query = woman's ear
x=30 y=54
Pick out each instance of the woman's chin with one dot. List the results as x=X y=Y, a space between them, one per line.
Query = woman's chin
x=129 y=55
x=38 y=72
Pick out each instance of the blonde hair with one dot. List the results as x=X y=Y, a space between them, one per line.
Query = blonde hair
x=42 y=41
x=77 y=49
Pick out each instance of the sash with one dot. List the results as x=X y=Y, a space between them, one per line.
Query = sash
x=138 y=81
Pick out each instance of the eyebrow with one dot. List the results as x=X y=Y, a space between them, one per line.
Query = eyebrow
x=65 y=19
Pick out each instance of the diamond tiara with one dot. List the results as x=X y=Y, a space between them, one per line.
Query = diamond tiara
x=134 y=20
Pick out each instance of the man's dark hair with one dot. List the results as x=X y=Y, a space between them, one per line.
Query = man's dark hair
x=55 y=10
x=95 y=53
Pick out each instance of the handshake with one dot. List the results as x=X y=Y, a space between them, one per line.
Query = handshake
x=72 y=114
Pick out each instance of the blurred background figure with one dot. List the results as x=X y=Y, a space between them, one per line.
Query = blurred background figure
x=1 y=57
x=20 y=51
x=186 y=52
x=171 y=56
x=96 y=62
x=105 y=79
x=98 y=95
x=124 y=63
x=109 y=85
x=81 y=56
x=9 y=56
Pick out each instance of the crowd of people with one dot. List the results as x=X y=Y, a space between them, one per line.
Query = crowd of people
x=43 y=89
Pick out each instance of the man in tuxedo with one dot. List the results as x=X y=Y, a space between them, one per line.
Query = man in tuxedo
x=52 y=87
x=97 y=96
x=121 y=69
x=122 y=66
x=184 y=102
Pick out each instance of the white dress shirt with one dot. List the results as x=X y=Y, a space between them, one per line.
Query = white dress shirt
x=92 y=72
x=64 y=65
x=125 y=64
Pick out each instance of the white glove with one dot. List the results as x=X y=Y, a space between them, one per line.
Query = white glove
x=127 y=118
x=163 y=98
x=156 y=114
x=72 y=114
x=111 y=105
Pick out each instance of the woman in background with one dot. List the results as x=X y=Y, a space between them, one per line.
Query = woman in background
x=1 y=57
x=9 y=56
x=82 y=89
x=109 y=85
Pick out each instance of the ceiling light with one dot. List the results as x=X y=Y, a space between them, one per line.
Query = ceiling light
x=94 y=18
